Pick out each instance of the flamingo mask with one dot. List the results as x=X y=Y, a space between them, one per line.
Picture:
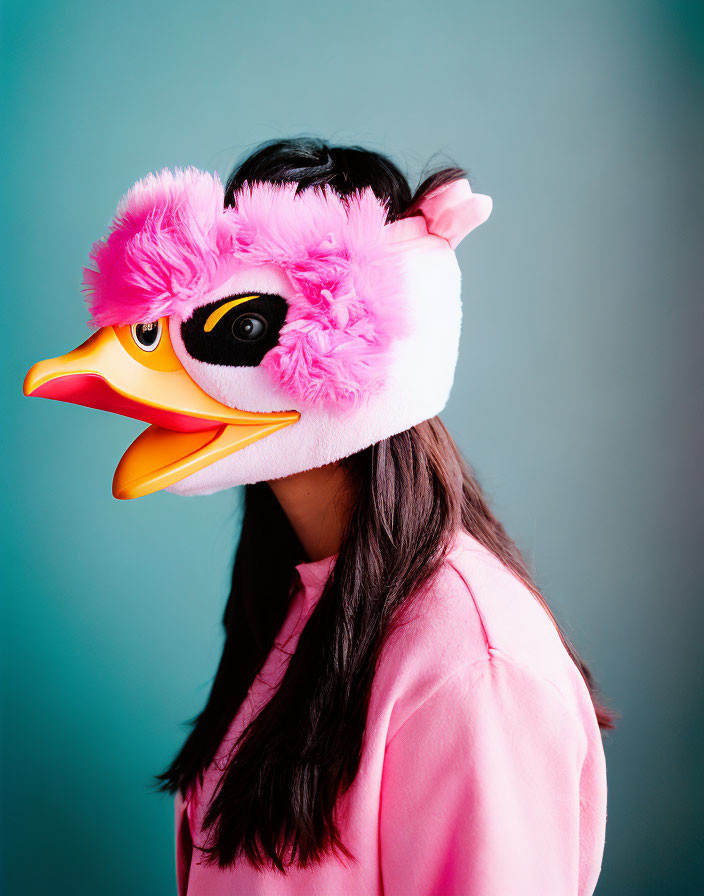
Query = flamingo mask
x=268 y=338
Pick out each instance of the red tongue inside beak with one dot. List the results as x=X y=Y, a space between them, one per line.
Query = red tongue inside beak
x=91 y=390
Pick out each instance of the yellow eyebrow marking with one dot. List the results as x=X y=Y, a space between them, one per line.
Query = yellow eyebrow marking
x=222 y=310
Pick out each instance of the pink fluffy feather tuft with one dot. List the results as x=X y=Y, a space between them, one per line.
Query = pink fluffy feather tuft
x=162 y=250
x=345 y=306
x=172 y=243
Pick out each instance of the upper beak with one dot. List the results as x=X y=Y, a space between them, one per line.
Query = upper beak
x=189 y=430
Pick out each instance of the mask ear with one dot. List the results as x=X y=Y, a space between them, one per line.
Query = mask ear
x=452 y=211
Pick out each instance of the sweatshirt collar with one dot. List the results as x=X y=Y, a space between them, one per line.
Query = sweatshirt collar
x=314 y=574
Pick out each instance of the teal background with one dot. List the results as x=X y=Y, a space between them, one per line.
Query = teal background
x=574 y=400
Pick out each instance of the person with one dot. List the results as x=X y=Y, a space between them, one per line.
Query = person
x=396 y=710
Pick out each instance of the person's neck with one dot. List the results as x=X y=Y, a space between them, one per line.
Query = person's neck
x=318 y=504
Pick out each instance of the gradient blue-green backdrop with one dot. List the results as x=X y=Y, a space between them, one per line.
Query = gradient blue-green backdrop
x=574 y=400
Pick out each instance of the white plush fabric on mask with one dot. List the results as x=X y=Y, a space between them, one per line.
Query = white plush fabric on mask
x=419 y=378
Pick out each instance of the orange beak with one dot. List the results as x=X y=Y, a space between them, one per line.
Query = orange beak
x=189 y=429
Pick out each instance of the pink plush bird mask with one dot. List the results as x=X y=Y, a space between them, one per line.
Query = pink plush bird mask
x=258 y=341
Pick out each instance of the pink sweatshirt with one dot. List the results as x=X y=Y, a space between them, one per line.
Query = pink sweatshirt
x=482 y=770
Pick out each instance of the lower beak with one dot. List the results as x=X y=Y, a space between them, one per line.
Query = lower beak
x=189 y=429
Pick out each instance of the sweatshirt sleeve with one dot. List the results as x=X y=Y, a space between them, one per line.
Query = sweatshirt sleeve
x=480 y=790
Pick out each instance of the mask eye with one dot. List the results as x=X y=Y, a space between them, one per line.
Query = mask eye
x=235 y=331
x=147 y=336
x=249 y=327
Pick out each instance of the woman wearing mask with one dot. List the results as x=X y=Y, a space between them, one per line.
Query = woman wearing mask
x=395 y=710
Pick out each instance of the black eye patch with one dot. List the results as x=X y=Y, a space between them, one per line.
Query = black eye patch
x=235 y=333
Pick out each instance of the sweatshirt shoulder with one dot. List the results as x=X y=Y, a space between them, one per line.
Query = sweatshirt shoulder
x=513 y=620
x=474 y=611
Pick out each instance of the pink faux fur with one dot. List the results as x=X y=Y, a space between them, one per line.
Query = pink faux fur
x=172 y=243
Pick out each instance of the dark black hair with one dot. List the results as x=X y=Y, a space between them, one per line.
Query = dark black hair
x=276 y=798
x=310 y=162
